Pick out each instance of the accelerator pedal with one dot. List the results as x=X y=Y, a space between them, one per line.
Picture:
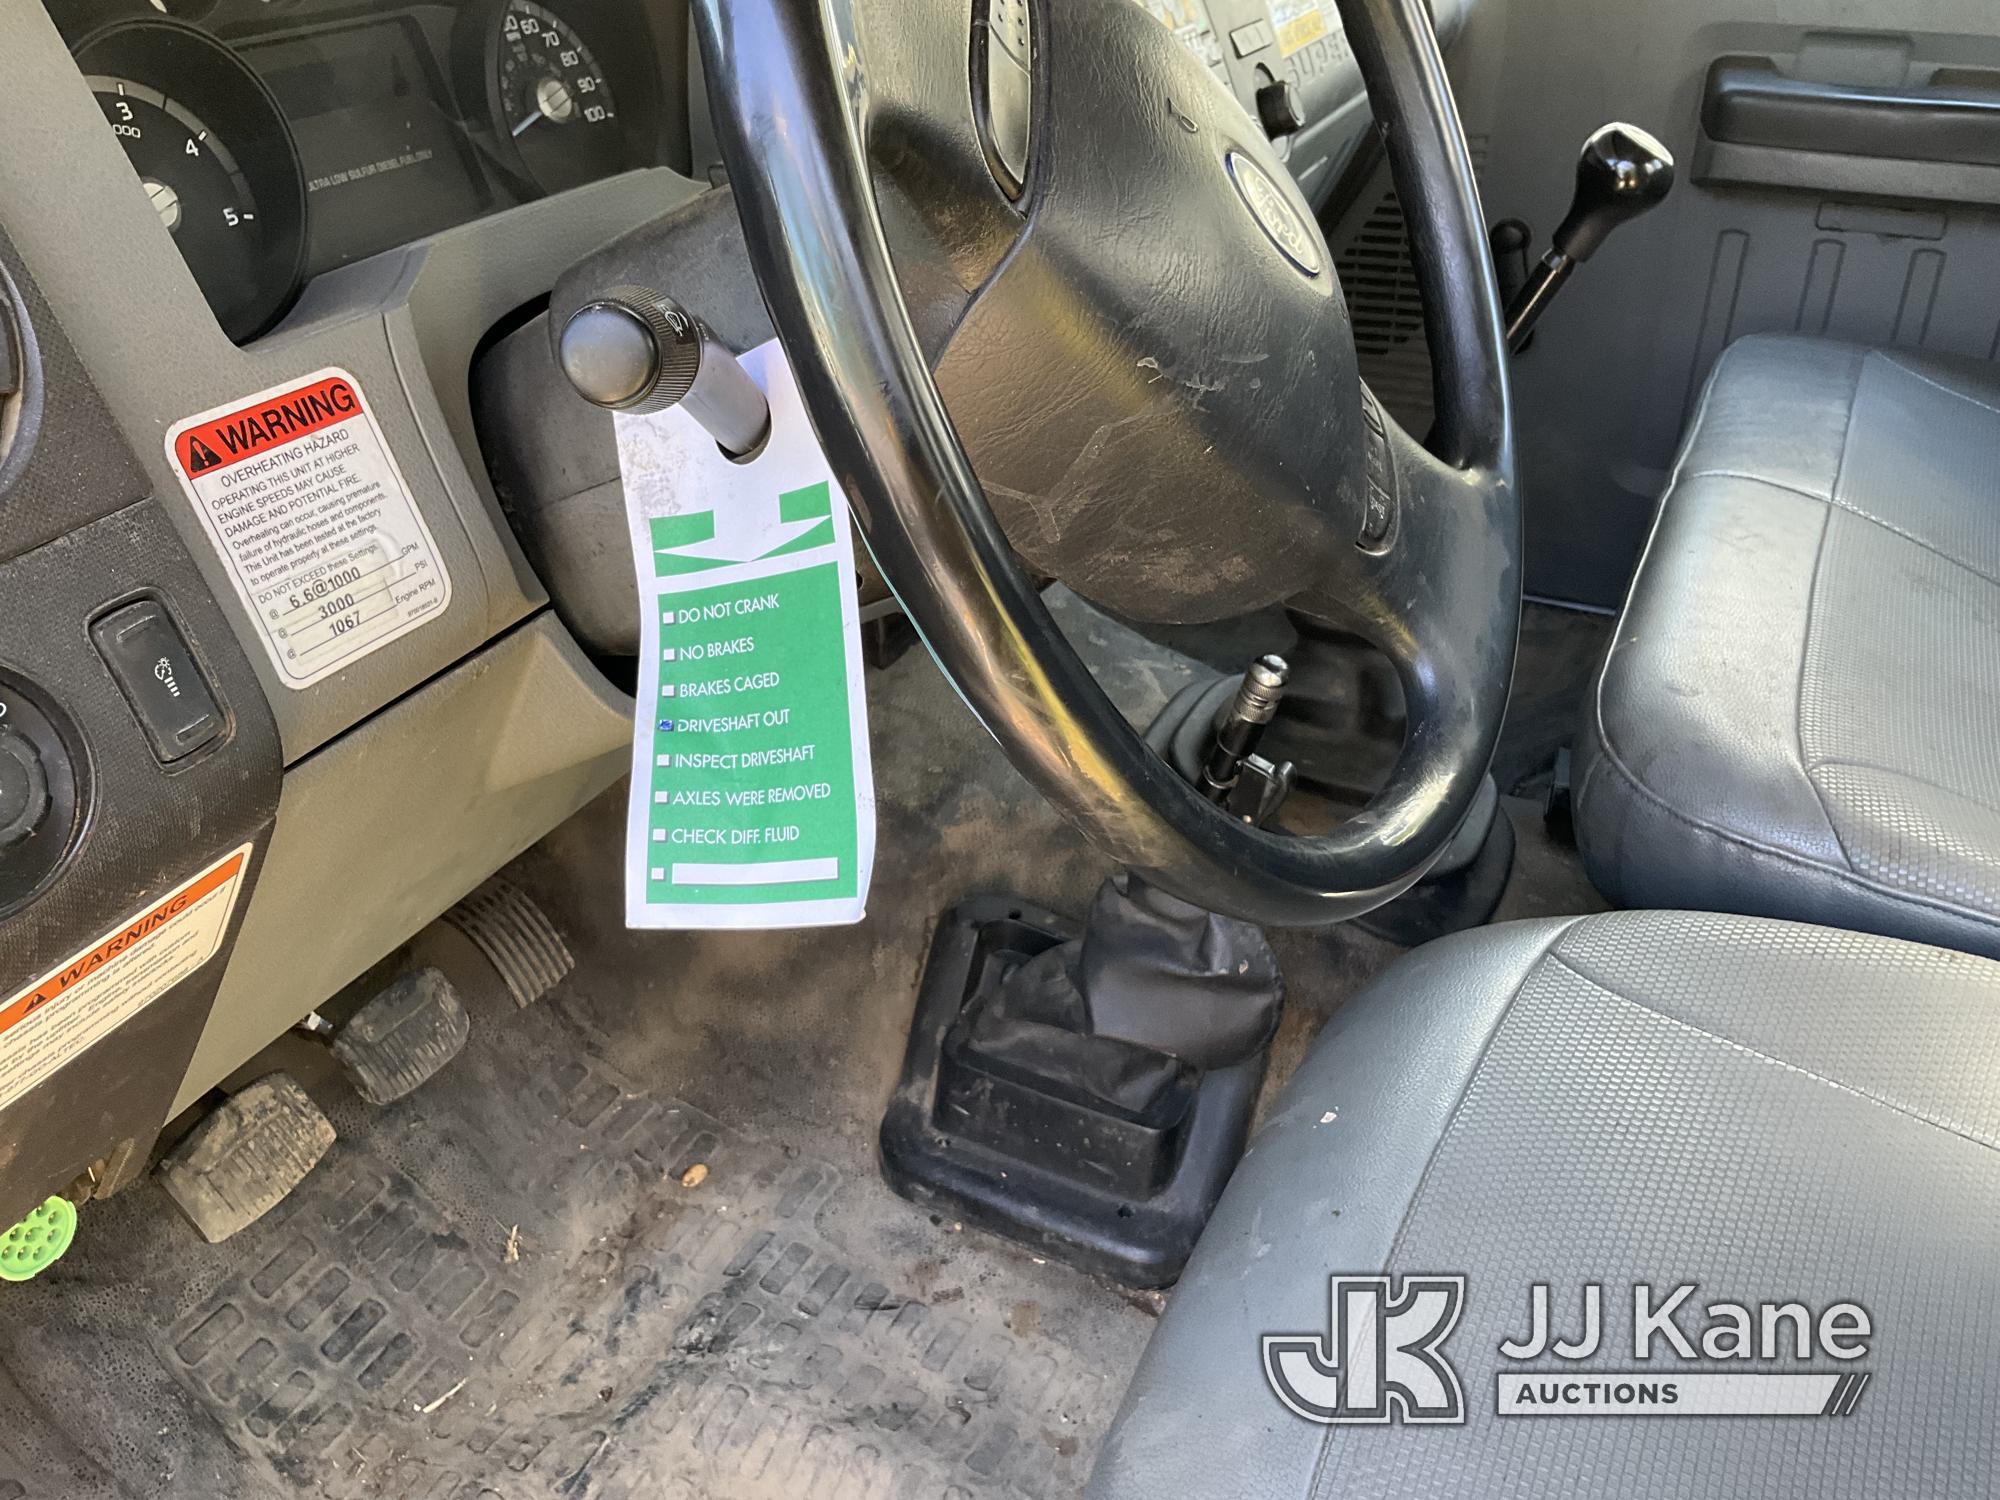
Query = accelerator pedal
x=239 y=1163
x=518 y=939
x=403 y=1036
x=38 y=1241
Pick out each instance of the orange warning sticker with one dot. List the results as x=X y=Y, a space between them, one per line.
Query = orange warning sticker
x=328 y=550
x=97 y=989
x=250 y=430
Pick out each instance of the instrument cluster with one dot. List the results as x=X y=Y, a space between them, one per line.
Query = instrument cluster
x=277 y=139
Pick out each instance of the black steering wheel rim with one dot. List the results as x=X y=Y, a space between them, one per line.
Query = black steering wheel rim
x=791 y=98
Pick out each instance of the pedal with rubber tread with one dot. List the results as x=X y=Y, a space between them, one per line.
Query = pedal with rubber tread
x=402 y=1037
x=243 y=1159
x=518 y=939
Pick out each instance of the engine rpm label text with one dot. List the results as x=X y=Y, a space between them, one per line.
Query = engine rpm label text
x=325 y=546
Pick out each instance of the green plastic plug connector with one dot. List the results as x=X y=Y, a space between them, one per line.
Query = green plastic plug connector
x=38 y=1241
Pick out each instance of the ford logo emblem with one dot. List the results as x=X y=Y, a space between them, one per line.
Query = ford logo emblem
x=1274 y=213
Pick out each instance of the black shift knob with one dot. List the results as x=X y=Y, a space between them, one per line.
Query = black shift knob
x=1622 y=173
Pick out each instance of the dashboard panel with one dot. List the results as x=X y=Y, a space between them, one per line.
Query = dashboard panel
x=106 y=811
x=394 y=186
x=278 y=141
x=145 y=747
x=1276 y=55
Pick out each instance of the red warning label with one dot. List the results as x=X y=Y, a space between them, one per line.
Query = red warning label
x=266 y=424
x=328 y=550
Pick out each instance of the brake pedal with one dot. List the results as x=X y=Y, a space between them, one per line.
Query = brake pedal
x=518 y=939
x=403 y=1036
x=239 y=1163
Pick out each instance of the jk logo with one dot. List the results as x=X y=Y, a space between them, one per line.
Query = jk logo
x=1380 y=1358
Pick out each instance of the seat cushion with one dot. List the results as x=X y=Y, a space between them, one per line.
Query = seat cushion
x=1772 y=1110
x=1799 y=715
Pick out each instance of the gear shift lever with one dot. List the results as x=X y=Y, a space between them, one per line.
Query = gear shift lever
x=1622 y=173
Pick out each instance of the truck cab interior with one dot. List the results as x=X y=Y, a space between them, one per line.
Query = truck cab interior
x=1428 y=590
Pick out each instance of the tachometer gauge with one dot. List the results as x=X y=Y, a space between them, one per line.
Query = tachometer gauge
x=552 y=108
x=192 y=178
x=215 y=159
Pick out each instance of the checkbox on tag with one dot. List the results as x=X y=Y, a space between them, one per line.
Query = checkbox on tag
x=663 y=760
x=666 y=690
x=661 y=796
x=667 y=617
x=659 y=874
x=659 y=835
x=670 y=654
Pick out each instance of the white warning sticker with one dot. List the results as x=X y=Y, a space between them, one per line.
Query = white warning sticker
x=304 y=501
x=100 y=987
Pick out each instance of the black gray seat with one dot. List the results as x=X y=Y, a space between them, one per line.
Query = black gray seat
x=1775 y=1111
x=1800 y=713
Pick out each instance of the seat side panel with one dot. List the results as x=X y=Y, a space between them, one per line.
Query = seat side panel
x=1696 y=711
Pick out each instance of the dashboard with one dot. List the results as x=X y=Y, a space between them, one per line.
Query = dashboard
x=279 y=139
x=1280 y=55
x=213 y=208
x=1267 y=51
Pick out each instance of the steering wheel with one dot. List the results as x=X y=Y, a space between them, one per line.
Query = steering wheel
x=1134 y=320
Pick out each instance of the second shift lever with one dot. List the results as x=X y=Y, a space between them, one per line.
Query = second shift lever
x=1622 y=173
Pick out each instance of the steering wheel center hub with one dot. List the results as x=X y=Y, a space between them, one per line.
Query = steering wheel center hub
x=1158 y=385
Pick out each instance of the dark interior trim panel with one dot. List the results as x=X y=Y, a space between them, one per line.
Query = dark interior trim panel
x=1955 y=118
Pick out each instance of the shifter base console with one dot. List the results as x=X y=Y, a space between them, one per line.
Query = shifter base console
x=977 y=1132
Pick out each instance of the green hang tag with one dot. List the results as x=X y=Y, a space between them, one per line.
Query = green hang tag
x=753 y=795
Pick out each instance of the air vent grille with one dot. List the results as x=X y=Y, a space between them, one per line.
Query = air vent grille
x=1380 y=282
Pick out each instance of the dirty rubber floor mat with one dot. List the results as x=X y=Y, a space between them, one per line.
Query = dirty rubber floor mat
x=786 y=1327
x=535 y=1277
x=783 y=1327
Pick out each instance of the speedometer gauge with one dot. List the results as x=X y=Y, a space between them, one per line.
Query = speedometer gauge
x=214 y=157
x=553 y=111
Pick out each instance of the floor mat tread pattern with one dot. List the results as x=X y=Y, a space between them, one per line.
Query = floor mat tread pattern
x=628 y=1336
